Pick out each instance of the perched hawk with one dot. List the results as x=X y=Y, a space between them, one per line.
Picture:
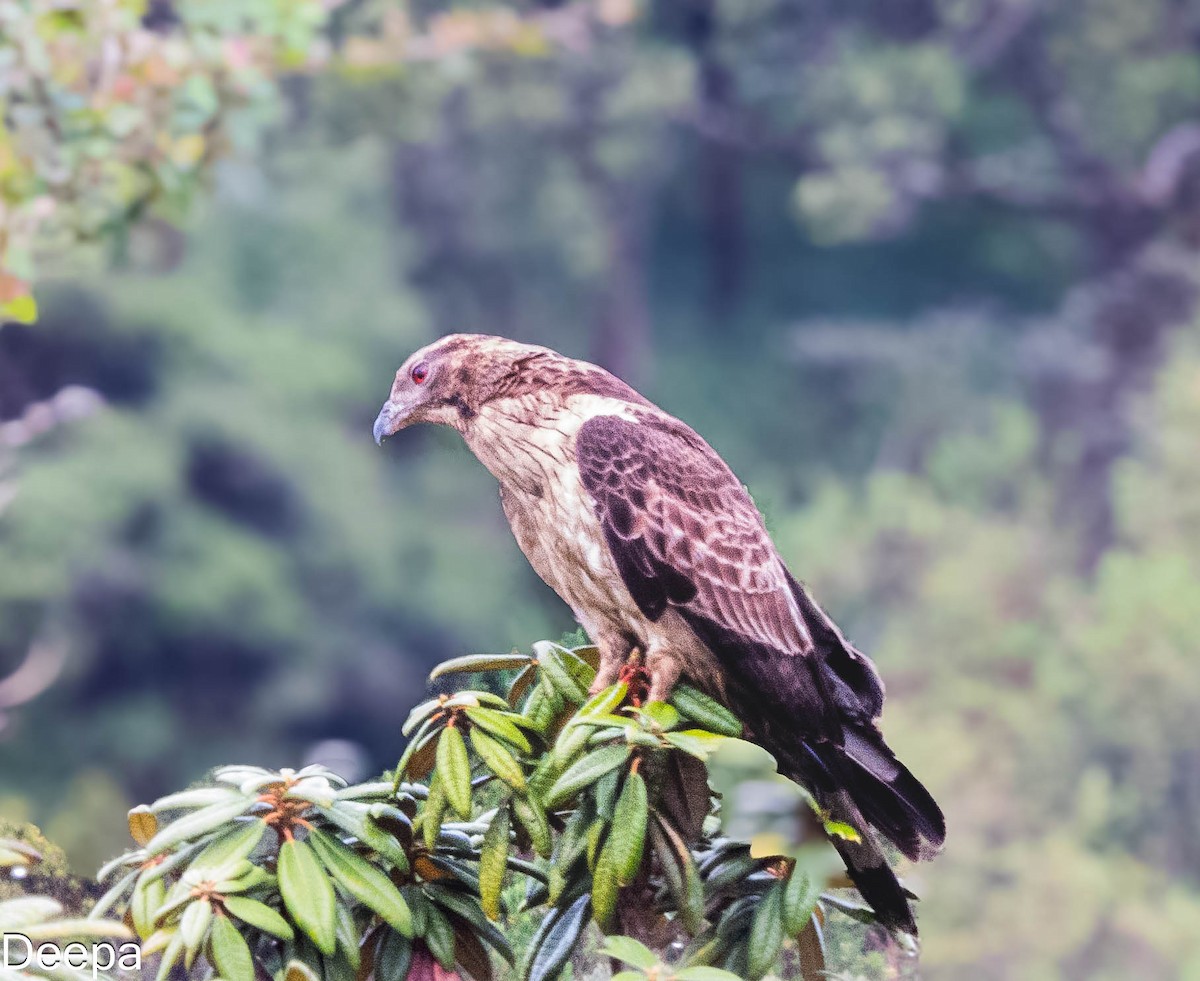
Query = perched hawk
x=639 y=525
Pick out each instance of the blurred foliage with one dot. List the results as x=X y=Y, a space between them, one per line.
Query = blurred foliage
x=923 y=271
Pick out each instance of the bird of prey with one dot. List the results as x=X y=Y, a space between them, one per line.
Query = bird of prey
x=645 y=532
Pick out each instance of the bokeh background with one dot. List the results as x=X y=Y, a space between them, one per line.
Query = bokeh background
x=923 y=271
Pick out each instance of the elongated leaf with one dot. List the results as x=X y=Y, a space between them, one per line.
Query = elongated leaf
x=766 y=934
x=800 y=895
x=193 y=927
x=659 y=715
x=229 y=952
x=114 y=893
x=393 y=957
x=308 y=894
x=479 y=662
x=469 y=910
x=586 y=771
x=420 y=714
x=198 y=823
x=259 y=915
x=696 y=742
x=606 y=701
x=706 y=712
x=239 y=842
x=557 y=675
x=704 y=973
x=348 y=939
x=493 y=863
x=363 y=881
x=627 y=837
x=500 y=725
x=630 y=951
x=683 y=878
x=435 y=809
x=533 y=820
x=439 y=936
x=454 y=771
x=169 y=958
x=604 y=886
x=497 y=758
x=556 y=939
x=148 y=896
x=355 y=819
x=521 y=684
x=197 y=797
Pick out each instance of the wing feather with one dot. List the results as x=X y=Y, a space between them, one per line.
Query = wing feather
x=684 y=531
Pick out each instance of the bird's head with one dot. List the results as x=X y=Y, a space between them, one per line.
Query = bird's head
x=449 y=380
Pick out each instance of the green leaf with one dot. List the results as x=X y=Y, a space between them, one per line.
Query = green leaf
x=493 y=862
x=308 y=894
x=695 y=742
x=683 y=878
x=606 y=701
x=363 y=881
x=766 y=934
x=169 y=958
x=660 y=715
x=559 y=678
x=497 y=758
x=707 y=712
x=197 y=797
x=704 y=973
x=556 y=938
x=193 y=928
x=627 y=836
x=148 y=895
x=479 y=662
x=586 y=771
x=393 y=957
x=355 y=819
x=468 y=909
x=259 y=915
x=501 y=725
x=630 y=951
x=420 y=714
x=433 y=812
x=439 y=937
x=299 y=971
x=229 y=952
x=800 y=895
x=198 y=823
x=604 y=886
x=239 y=842
x=454 y=771
x=533 y=819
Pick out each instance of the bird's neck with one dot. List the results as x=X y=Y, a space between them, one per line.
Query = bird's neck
x=525 y=441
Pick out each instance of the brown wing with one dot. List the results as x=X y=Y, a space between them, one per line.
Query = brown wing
x=684 y=532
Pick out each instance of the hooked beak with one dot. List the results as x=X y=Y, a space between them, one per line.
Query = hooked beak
x=389 y=421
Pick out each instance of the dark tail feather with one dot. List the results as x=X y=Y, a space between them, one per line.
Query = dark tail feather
x=886 y=793
x=878 y=885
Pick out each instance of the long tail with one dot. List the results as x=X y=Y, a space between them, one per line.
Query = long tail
x=843 y=759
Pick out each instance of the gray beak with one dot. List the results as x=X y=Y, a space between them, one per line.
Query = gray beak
x=384 y=424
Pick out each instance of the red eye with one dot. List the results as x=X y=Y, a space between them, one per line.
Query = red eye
x=419 y=373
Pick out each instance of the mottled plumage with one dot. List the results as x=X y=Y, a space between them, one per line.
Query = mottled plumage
x=637 y=523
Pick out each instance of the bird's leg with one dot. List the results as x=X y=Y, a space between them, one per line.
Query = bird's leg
x=664 y=669
x=614 y=649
